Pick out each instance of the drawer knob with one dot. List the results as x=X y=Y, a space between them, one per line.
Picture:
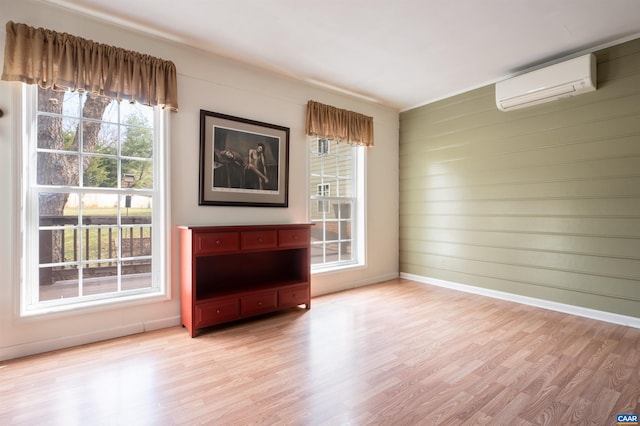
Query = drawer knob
x=217 y=311
x=259 y=302
x=218 y=242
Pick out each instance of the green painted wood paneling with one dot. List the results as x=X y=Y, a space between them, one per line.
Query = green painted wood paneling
x=542 y=202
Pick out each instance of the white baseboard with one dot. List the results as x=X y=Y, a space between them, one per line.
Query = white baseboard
x=375 y=280
x=320 y=285
x=531 y=301
x=32 y=348
x=162 y=323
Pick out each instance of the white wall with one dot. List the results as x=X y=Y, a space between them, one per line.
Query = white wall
x=215 y=84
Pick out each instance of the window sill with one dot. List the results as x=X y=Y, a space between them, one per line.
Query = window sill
x=336 y=268
x=93 y=306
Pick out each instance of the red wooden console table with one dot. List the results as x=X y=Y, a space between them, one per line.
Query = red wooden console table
x=233 y=272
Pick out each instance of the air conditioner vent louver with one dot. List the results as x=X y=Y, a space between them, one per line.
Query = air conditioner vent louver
x=557 y=81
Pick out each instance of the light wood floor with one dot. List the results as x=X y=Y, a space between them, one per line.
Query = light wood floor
x=396 y=353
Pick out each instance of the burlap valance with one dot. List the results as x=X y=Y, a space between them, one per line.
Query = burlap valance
x=329 y=122
x=63 y=61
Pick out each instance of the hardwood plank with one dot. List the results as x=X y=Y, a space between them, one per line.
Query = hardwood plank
x=394 y=353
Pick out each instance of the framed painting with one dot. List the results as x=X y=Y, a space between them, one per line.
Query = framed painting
x=243 y=162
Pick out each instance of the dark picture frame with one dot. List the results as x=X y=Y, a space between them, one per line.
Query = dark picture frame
x=242 y=162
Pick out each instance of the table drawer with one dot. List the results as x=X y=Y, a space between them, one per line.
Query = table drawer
x=259 y=303
x=216 y=242
x=298 y=237
x=216 y=312
x=293 y=296
x=252 y=240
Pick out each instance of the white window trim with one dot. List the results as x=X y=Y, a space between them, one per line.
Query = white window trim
x=25 y=102
x=359 y=219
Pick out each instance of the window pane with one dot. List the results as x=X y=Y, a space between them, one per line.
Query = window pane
x=345 y=166
x=64 y=285
x=57 y=133
x=346 y=188
x=58 y=246
x=316 y=166
x=331 y=182
x=100 y=108
x=68 y=104
x=111 y=113
x=72 y=103
x=100 y=235
x=58 y=102
x=136 y=114
x=102 y=245
x=57 y=169
x=135 y=241
x=331 y=252
x=100 y=172
x=99 y=209
x=99 y=280
x=95 y=245
x=136 y=142
x=142 y=172
x=101 y=138
x=136 y=274
x=343 y=149
x=136 y=209
x=52 y=208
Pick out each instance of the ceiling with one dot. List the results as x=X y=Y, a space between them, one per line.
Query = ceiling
x=400 y=53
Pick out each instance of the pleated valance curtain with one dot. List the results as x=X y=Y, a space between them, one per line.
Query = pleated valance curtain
x=325 y=121
x=63 y=61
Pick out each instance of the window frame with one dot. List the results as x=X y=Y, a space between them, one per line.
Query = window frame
x=28 y=219
x=358 y=210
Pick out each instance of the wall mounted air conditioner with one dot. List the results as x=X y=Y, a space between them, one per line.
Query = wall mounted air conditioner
x=557 y=81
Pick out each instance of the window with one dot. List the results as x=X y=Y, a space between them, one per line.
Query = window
x=94 y=195
x=335 y=194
